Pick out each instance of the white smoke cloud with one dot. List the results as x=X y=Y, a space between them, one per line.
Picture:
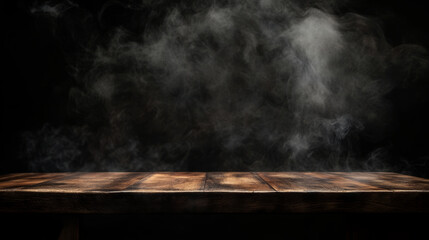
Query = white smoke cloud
x=247 y=85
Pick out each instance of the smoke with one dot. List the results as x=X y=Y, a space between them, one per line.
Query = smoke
x=52 y=9
x=219 y=85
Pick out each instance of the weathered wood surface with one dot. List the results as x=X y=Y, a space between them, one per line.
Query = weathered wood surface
x=193 y=192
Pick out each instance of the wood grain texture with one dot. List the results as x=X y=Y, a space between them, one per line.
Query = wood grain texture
x=236 y=182
x=388 y=180
x=87 y=182
x=21 y=180
x=318 y=182
x=199 y=192
x=170 y=182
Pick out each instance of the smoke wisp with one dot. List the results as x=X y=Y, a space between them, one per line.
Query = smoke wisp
x=219 y=85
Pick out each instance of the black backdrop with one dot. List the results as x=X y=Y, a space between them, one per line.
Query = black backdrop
x=36 y=80
x=35 y=83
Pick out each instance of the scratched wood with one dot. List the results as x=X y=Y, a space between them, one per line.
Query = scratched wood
x=387 y=180
x=170 y=182
x=317 y=181
x=21 y=180
x=236 y=182
x=86 y=181
x=343 y=183
x=195 y=192
x=298 y=182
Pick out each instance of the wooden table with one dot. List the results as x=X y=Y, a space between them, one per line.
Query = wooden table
x=73 y=194
x=212 y=192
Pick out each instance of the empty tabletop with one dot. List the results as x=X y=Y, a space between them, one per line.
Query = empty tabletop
x=212 y=192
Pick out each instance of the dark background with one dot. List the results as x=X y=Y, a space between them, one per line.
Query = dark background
x=224 y=226
x=34 y=88
x=37 y=76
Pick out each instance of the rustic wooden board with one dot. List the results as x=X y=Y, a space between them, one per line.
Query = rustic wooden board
x=317 y=182
x=195 y=192
x=170 y=182
x=21 y=180
x=236 y=182
x=86 y=182
x=388 y=180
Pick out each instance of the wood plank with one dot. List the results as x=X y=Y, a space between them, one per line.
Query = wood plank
x=388 y=180
x=298 y=182
x=343 y=183
x=170 y=182
x=89 y=181
x=123 y=181
x=236 y=182
x=190 y=192
x=21 y=180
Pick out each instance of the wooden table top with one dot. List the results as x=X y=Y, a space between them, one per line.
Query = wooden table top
x=194 y=192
